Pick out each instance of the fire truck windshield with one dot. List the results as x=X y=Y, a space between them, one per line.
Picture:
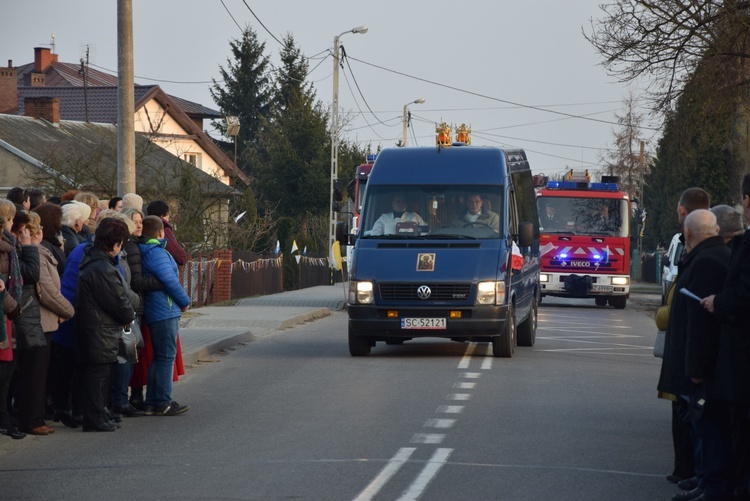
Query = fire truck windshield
x=583 y=216
x=432 y=211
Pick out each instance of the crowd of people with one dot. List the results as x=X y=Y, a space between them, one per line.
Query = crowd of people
x=705 y=369
x=91 y=307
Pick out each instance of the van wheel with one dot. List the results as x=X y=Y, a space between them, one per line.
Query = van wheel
x=358 y=346
x=527 y=330
x=600 y=301
x=502 y=346
x=618 y=302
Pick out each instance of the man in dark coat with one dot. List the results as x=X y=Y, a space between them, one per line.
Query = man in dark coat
x=691 y=352
x=730 y=306
x=102 y=310
x=691 y=199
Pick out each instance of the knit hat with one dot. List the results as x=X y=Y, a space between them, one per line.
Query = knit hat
x=132 y=201
x=729 y=220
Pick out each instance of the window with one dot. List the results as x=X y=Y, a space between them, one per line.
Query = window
x=432 y=211
x=193 y=159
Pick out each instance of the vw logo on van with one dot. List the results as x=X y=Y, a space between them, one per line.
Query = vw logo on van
x=423 y=292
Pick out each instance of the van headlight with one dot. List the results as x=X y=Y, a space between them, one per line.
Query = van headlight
x=620 y=280
x=543 y=278
x=361 y=293
x=490 y=293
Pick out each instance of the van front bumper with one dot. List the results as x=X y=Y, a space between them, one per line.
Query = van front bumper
x=476 y=322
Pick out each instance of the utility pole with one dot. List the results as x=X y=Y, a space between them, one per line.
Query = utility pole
x=335 y=145
x=405 y=119
x=125 y=99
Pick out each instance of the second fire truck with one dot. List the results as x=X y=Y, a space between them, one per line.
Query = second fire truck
x=585 y=239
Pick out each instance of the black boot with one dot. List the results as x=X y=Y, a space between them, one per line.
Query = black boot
x=66 y=418
x=136 y=397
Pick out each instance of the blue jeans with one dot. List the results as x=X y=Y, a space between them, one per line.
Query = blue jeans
x=164 y=342
x=120 y=380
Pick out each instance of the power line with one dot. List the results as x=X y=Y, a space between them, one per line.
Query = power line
x=345 y=59
x=484 y=96
x=261 y=23
x=230 y=15
x=360 y=110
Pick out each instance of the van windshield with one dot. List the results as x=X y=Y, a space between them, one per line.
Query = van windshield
x=471 y=212
x=583 y=216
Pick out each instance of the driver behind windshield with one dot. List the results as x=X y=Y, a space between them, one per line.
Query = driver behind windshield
x=476 y=213
x=386 y=224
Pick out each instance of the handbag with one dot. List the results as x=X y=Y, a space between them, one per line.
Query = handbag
x=28 y=327
x=659 y=343
x=127 y=351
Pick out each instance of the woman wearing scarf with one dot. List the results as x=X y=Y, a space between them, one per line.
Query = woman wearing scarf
x=11 y=273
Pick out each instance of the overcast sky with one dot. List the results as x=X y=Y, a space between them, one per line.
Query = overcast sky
x=512 y=70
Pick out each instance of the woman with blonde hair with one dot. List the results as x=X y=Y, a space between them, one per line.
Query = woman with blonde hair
x=54 y=309
x=33 y=349
x=92 y=201
x=10 y=270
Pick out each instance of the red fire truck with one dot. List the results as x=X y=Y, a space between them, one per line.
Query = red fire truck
x=585 y=239
x=356 y=190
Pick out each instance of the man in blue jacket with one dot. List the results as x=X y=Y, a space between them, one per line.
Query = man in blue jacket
x=162 y=312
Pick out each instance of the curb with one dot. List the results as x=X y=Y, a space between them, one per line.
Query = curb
x=246 y=336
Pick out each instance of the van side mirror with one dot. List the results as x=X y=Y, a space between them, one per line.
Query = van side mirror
x=665 y=260
x=342 y=233
x=525 y=234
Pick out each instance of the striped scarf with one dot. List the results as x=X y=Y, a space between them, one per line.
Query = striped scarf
x=15 y=282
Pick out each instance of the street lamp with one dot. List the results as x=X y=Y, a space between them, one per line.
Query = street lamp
x=335 y=142
x=405 y=118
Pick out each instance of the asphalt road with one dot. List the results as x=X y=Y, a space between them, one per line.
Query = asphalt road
x=292 y=416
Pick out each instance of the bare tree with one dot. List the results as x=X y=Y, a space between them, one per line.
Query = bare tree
x=668 y=40
x=625 y=159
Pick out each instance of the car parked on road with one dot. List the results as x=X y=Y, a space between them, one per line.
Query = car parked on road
x=669 y=265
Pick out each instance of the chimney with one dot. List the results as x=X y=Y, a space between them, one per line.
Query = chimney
x=43 y=58
x=8 y=89
x=47 y=108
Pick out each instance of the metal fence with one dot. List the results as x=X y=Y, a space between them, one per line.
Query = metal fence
x=197 y=278
x=207 y=281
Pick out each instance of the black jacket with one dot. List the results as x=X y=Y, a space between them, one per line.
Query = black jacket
x=102 y=307
x=692 y=340
x=72 y=239
x=731 y=307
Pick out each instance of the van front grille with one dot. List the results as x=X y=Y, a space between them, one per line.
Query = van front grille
x=438 y=291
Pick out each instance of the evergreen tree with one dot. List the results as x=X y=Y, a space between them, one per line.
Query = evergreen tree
x=690 y=153
x=246 y=92
x=295 y=139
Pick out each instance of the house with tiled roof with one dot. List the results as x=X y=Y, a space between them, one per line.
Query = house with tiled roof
x=173 y=123
x=59 y=155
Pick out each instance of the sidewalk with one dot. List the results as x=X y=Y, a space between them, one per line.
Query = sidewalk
x=206 y=330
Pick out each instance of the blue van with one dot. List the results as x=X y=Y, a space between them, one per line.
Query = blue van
x=448 y=246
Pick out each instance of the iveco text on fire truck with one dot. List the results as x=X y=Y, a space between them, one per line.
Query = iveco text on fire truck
x=425 y=265
x=585 y=239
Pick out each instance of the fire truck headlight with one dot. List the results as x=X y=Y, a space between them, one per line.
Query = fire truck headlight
x=620 y=280
x=361 y=293
x=490 y=293
x=544 y=278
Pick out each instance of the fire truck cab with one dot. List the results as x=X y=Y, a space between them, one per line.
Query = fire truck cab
x=585 y=239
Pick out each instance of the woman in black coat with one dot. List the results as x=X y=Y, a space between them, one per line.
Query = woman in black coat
x=102 y=310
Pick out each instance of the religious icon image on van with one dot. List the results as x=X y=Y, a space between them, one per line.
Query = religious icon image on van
x=426 y=262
